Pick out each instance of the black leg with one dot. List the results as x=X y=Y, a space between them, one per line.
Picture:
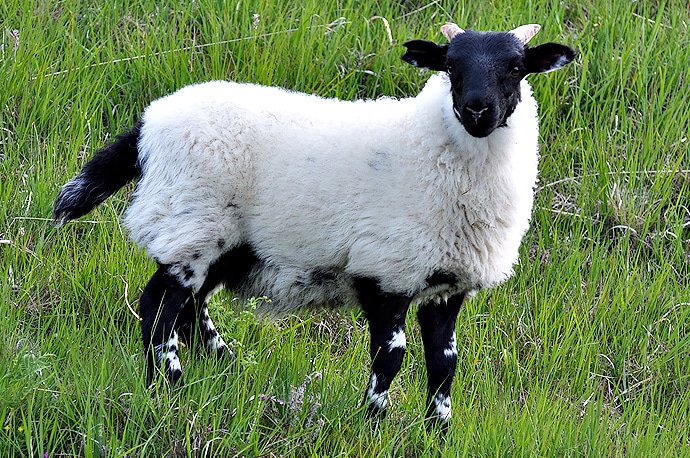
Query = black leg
x=172 y=309
x=386 y=315
x=186 y=322
x=437 y=322
x=164 y=308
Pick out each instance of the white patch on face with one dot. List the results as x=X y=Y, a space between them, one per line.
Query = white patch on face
x=398 y=340
x=442 y=403
x=380 y=400
x=452 y=350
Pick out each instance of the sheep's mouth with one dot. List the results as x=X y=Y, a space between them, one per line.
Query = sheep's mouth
x=478 y=128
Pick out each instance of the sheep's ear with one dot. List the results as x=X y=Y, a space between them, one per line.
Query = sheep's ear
x=425 y=54
x=547 y=57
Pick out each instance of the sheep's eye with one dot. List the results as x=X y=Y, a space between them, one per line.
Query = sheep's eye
x=516 y=71
x=449 y=70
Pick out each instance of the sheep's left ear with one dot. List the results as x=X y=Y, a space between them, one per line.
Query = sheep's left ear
x=547 y=57
x=425 y=54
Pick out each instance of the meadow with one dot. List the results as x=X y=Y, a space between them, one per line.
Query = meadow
x=585 y=352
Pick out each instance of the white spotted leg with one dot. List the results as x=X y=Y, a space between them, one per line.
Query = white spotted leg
x=437 y=323
x=173 y=309
x=167 y=357
x=386 y=316
x=213 y=343
x=161 y=307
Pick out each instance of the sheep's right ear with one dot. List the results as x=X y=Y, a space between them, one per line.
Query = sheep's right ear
x=425 y=54
x=547 y=57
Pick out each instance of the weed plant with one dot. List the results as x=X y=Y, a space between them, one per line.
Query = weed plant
x=584 y=352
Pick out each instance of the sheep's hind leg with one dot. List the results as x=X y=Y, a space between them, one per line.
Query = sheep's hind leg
x=386 y=316
x=213 y=343
x=437 y=323
x=229 y=270
x=198 y=331
x=164 y=308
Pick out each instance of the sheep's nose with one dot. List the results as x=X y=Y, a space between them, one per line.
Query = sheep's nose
x=476 y=111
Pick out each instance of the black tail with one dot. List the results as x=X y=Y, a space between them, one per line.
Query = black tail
x=112 y=167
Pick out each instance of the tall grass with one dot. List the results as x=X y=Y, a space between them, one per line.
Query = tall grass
x=585 y=352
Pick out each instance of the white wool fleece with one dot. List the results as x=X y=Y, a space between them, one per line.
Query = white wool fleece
x=390 y=189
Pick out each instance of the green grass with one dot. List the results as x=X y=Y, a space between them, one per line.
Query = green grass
x=585 y=352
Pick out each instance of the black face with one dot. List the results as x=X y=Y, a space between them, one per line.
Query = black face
x=485 y=70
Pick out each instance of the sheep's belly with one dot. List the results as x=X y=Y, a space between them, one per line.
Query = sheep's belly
x=294 y=289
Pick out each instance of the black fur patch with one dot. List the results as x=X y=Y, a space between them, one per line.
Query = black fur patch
x=188 y=271
x=230 y=269
x=425 y=54
x=377 y=303
x=112 y=167
x=321 y=276
x=159 y=308
x=380 y=161
x=441 y=277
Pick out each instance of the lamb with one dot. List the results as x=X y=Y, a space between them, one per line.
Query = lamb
x=318 y=202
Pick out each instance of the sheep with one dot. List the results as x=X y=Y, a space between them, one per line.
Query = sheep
x=318 y=202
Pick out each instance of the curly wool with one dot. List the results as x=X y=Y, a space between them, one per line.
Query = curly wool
x=391 y=189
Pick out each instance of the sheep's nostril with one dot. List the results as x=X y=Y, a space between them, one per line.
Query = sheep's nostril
x=476 y=112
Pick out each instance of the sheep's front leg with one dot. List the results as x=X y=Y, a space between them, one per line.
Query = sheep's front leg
x=164 y=308
x=386 y=316
x=437 y=323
